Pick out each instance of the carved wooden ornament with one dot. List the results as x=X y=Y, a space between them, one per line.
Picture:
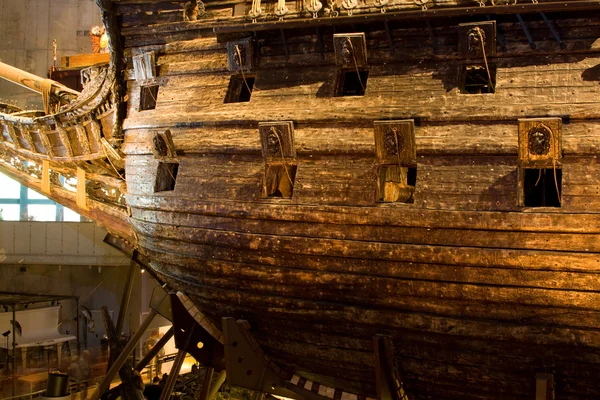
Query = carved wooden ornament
x=540 y=141
x=240 y=54
x=395 y=142
x=163 y=147
x=277 y=140
x=469 y=39
x=350 y=48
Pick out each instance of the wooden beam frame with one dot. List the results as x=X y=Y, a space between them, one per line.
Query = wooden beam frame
x=388 y=378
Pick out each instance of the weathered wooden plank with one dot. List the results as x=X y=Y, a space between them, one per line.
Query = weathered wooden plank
x=242 y=302
x=545 y=220
x=480 y=257
x=383 y=234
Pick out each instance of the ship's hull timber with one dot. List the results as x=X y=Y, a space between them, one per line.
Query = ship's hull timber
x=477 y=292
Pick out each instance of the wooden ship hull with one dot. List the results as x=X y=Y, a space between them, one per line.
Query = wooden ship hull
x=453 y=211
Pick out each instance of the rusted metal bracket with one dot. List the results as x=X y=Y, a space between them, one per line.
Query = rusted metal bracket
x=200 y=343
x=553 y=31
x=390 y=37
x=526 y=31
x=389 y=380
x=248 y=366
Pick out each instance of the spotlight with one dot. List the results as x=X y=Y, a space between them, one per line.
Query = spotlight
x=143 y=270
x=5 y=334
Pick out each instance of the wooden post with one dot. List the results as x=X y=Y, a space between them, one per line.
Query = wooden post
x=218 y=383
x=125 y=298
x=81 y=196
x=154 y=351
x=45 y=176
x=78 y=327
x=14 y=334
x=544 y=387
x=122 y=358
x=208 y=375
x=168 y=389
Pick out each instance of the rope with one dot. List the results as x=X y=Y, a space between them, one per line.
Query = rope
x=239 y=54
x=281 y=9
x=274 y=131
x=395 y=130
x=111 y=163
x=487 y=68
x=356 y=66
x=256 y=11
x=554 y=157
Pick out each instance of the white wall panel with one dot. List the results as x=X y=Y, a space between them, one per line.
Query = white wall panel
x=56 y=243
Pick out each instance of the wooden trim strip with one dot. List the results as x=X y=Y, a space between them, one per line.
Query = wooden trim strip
x=413 y=15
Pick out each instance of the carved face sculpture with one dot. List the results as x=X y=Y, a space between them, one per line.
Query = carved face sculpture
x=539 y=140
x=389 y=143
x=474 y=37
x=273 y=145
x=347 y=51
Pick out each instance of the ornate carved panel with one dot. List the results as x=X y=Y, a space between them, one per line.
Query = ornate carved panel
x=350 y=48
x=540 y=141
x=240 y=54
x=395 y=142
x=277 y=139
x=470 y=36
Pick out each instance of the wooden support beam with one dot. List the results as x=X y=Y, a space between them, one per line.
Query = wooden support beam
x=123 y=356
x=388 y=379
x=126 y=296
x=177 y=363
x=46 y=176
x=544 y=387
x=154 y=351
x=206 y=382
x=81 y=195
x=217 y=385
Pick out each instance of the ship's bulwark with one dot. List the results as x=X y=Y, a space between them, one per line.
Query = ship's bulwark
x=478 y=293
x=479 y=289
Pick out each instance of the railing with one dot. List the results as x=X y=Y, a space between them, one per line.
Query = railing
x=82 y=131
